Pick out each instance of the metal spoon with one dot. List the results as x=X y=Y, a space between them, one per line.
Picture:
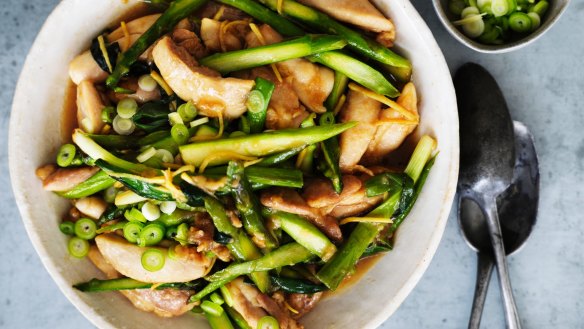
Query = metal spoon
x=487 y=158
x=517 y=212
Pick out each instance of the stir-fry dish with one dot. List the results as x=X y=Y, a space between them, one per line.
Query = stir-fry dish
x=231 y=156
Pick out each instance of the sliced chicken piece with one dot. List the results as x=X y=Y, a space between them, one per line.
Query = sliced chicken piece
x=126 y=257
x=89 y=107
x=165 y=302
x=319 y=193
x=252 y=305
x=221 y=36
x=353 y=143
x=210 y=93
x=311 y=82
x=91 y=206
x=136 y=26
x=64 y=179
x=45 y=171
x=360 y=13
x=211 y=8
x=288 y=200
x=201 y=234
x=85 y=68
x=390 y=136
x=190 y=41
x=303 y=303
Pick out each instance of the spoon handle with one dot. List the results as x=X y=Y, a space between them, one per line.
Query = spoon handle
x=490 y=210
x=484 y=271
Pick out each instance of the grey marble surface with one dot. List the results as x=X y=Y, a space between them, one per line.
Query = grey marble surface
x=544 y=86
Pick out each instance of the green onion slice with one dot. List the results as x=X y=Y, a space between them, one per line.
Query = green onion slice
x=255 y=101
x=132 y=231
x=216 y=298
x=268 y=322
x=180 y=133
x=127 y=107
x=85 y=228
x=67 y=228
x=187 y=111
x=151 y=235
x=212 y=308
x=66 y=155
x=78 y=247
x=152 y=260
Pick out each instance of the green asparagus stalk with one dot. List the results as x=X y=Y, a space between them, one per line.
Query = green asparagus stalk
x=241 y=247
x=305 y=233
x=278 y=158
x=262 y=177
x=248 y=206
x=268 y=54
x=237 y=318
x=287 y=255
x=257 y=104
x=306 y=157
x=177 y=11
x=259 y=145
x=339 y=87
x=326 y=24
x=98 y=182
x=329 y=165
x=356 y=71
x=96 y=285
x=263 y=14
x=383 y=183
x=218 y=321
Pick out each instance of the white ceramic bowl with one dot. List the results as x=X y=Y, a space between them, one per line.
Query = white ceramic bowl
x=556 y=9
x=35 y=137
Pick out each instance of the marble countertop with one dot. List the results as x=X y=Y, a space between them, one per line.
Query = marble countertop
x=544 y=87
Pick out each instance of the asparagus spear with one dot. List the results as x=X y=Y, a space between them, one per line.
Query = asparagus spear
x=241 y=247
x=305 y=234
x=98 y=182
x=237 y=318
x=177 y=10
x=331 y=153
x=263 y=14
x=268 y=54
x=306 y=157
x=290 y=254
x=326 y=24
x=257 y=104
x=339 y=86
x=218 y=320
x=357 y=71
x=248 y=206
x=263 y=144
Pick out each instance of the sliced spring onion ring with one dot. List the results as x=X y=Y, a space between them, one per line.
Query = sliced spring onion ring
x=535 y=20
x=469 y=11
x=153 y=260
x=67 y=228
x=85 y=228
x=150 y=211
x=187 y=111
x=475 y=27
x=520 y=22
x=132 y=231
x=199 y=122
x=78 y=247
x=168 y=207
x=180 y=133
x=127 y=107
x=164 y=155
x=216 y=298
x=174 y=118
x=268 y=322
x=147 y=83
x=123 y=126
x=67 y=154
x=499 y=7
x=151 y=234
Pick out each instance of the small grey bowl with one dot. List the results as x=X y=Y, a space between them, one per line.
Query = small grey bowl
x=556 y=9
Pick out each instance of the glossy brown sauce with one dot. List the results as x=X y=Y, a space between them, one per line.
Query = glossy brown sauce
x=362 y=267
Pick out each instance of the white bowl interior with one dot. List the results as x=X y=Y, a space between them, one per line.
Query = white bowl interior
x=35 y=136
x=556 y=9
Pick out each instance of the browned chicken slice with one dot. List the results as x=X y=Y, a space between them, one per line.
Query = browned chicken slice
x=319 y=193
x=223 y=36
x=208 y=91
x=360 y=13
x=190 y=41
x=311 y=82
x=252 y=305
x=165 y=302
x=64 y=179
x=201 y=234
x=85 y=68
x=212 y=8
x=126 y=258
x=303 y=303
x=288 y=200
x=353 y=143
x=91 y=206
x=89 y=107
x=390 y=136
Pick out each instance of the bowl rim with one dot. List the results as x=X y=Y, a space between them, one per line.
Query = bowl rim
x=99 y=320
x=497 y=49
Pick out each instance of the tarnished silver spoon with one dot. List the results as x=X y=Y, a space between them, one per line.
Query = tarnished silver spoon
x=517 y=208
x=487 y=159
